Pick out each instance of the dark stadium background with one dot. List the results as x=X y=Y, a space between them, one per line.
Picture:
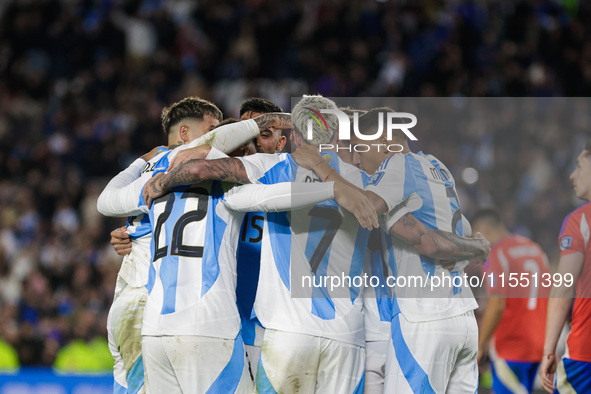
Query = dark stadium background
x=82 y=84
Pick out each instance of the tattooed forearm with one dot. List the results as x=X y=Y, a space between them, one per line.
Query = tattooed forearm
x=451 y=246
x=437 y=244
x=408 y=221
x=180 y=175
x=277 y=120
x=196 y=170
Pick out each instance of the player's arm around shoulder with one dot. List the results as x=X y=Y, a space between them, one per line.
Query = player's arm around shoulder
x=347 y=195
x=120 y=196
x=440 y=245
x=195 y=171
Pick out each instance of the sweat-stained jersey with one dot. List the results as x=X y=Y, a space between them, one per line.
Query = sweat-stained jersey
x=192 y=276
x=135 y=265
x=301 y=250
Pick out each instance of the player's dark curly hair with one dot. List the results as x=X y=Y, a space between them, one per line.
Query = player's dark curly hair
x=260 y=105
x=189 y=107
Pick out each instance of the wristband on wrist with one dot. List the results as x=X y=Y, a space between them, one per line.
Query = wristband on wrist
x=329 y=173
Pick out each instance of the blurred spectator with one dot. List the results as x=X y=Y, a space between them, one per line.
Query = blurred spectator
x=8 y=358
x=89 y=353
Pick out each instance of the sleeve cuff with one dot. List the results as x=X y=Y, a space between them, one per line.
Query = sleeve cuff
x=312 y=193
x=215 y=153
x=138 y=164
x=252 y=172
x=410 y=204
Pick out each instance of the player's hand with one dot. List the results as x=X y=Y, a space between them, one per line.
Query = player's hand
x=153 y=189
x=547 y=370
x=198 y=152
x=121 y=241
x=481 y=259
x=482 y=352
x=354 y=201
x=151 y=154
x=307 y=156
x=281 y=121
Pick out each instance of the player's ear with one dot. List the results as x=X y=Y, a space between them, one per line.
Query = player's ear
x=281 y=143
x=184 y=134
x=297 y=140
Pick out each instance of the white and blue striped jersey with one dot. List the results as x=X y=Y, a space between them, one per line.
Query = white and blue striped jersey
x=397 y=179
x=377 y=302
x=192 y=276
x=248 y=256
x=300 y=249
x=135 y=265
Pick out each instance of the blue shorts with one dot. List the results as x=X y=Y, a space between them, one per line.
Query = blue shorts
x=573 y=375
x=513 y=376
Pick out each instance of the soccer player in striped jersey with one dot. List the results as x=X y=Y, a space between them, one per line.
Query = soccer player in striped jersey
x=573 y=372
x=248 y=254
x=421 y=184
x=270 y=141
x=182 y=122
x=303 y=347
x=446 y=362
x=194 y=305
x=515 y=315
x=312 y=343
x=434 y=336
x=377 y=306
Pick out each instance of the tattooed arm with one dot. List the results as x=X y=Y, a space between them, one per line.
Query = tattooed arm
x=195 y=171
x=440 y=245
x=277 y=120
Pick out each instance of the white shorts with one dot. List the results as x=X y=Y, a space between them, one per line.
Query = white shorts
x=124 y=326
x=375 y=366
x=292 y=362
x=433 y=357
x=253 y=352
x=195 y=364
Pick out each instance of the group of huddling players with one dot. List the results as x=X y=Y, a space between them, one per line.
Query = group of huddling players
x=210 y=294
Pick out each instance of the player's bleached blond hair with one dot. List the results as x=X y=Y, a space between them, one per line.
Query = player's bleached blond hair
x=321 y=133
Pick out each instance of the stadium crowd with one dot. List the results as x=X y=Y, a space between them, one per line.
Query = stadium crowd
x=82 y=85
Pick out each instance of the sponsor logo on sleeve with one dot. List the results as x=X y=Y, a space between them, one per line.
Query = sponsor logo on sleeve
x=565 y=243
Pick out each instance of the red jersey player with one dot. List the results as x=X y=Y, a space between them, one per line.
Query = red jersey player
x=573 y=372
x=515 y=316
